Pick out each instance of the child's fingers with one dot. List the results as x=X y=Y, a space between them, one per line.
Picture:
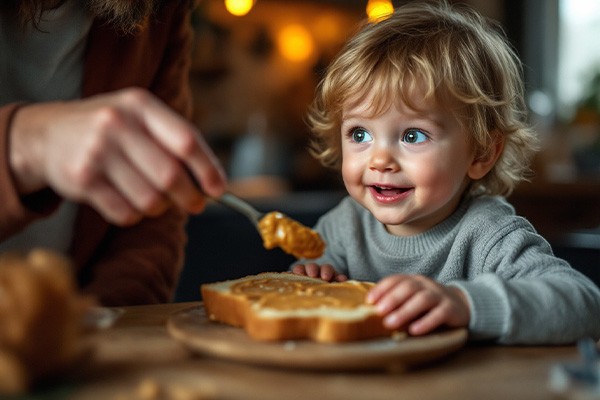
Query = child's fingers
x=408 y=308
x=383 y=287
x=327 y=272
x=428 y=322
x=299 y=269
x=313 y=270
x=401 y=290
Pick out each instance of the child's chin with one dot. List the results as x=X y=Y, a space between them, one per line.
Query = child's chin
x=386 y=219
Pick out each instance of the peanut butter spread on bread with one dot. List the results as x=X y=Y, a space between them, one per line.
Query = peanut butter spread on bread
x=263 y=286
x=294 y=238
x=289 y=295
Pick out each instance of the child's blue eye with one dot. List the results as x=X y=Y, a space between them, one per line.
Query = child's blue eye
x=414 y=136
x=360 y=135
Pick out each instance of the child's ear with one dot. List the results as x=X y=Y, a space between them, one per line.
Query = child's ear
x=484 y=162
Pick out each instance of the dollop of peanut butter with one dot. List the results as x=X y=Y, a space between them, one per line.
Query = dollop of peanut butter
x=294 y=238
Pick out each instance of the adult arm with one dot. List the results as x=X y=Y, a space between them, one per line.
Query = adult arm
x=136 y=262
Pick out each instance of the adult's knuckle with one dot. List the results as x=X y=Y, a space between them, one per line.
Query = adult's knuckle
x=107 y=117
x=81 y=174
x=136 y=96
x=187 y=145
x=150 y=201
x=167 y=176
x=96 y=146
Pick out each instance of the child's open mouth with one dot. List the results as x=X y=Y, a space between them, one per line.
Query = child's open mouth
x=389 y=191
x=388 y=194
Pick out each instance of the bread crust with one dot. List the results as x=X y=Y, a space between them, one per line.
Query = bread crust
x=324 y=322
x=41 y=313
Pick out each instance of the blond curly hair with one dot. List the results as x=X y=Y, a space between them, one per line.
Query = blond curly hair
x=458 y=56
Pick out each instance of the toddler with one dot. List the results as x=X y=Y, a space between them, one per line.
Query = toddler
x=424 y=114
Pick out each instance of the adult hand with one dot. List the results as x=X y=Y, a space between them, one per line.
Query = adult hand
x=126 y=154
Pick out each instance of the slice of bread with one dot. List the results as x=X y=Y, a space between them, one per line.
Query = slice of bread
x=283 y=306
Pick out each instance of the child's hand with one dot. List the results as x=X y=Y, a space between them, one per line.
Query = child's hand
x=325 y=272
x=419 y=303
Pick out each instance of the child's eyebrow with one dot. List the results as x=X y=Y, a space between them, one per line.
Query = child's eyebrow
x=349 y=117
x=358 y=112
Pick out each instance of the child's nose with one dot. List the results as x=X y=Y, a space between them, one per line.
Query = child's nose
x=383 y=160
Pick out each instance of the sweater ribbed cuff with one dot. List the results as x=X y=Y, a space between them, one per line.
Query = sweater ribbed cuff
x=489 y=310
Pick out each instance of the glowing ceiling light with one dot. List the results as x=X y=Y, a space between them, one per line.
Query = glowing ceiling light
x=379 y=9
x=239 y=7
x=295 y=43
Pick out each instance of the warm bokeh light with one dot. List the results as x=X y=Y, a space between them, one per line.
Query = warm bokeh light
x=295 y=43
x=326 y=28
x=239 y=7
x=379 y=9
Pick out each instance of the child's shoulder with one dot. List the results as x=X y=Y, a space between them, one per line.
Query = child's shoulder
x=494 y=205
x=492 y=211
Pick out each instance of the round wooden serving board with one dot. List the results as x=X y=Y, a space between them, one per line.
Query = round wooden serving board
x=192 y=328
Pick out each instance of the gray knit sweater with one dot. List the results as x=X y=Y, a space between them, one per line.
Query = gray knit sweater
x=518 y=291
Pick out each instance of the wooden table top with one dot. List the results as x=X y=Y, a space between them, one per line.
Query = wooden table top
x=137 y=357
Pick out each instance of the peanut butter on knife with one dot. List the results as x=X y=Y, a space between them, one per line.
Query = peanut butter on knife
x=294 y=238
x=277 y=229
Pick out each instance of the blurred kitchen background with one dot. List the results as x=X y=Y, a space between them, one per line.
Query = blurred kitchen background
x=255 y=67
